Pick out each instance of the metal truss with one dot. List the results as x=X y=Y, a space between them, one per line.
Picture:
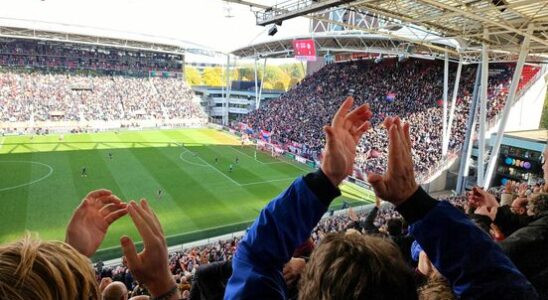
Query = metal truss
x=10 y=33
x=462 y=21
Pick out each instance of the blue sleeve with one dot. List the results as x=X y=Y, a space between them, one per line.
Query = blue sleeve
x=284 y=224
x=473 y=263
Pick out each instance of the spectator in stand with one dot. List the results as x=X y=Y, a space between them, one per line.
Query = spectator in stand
x=403 y=241
x=527 y=236
x=435 y=286
x=34 y=269
x=115 y=291
x=410 y=89
x=65 y=97
x=348 y=267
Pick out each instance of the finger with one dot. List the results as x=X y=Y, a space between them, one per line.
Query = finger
x=394 y=150
x=140 y=223
x=388 y=121
x=153 y=217
x=115 y=215
x=338 y=119
x=407 y=136
x=148 y=218
x=379 y=186
x=98 y=193
x=358 y=114
x=363 y=128
x=107 y=209
x=330 y=136
x=106 y=200
x=130 y=253
x=397 y=121
x=405 y=148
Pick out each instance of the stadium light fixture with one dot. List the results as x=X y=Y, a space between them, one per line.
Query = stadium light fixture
x=273 y=30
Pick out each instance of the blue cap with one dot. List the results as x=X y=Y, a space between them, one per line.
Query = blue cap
x=415 y=250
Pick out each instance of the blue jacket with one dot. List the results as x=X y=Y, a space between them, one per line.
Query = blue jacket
x=474 y=264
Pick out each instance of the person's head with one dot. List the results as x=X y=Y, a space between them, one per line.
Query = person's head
x=115 y=291
x=538 y=204
x=45 y=270
x=519 y=206
x=394 y=227
x=354 y=266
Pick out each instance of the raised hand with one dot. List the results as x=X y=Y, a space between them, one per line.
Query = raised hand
x=90 y=221
x=482 y=198
x=149 y=266
x=398 y=183
x=352 y=214
x=488 y=212
x=343 y=135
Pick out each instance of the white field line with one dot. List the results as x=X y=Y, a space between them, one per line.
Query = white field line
x=218 y=171
x=261 y=162
x=2 y=142
x=30 y=182
x=279 y=161
x=228 y=177
x=190 y=162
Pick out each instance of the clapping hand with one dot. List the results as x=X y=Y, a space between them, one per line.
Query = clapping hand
x=149 y=266
x=398 y=183
x=343 y=136
x=90 y=221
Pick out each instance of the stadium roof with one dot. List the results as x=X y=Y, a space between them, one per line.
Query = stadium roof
x=342 y=42
x=506 y=22
x=57 y=32
x=539 y=135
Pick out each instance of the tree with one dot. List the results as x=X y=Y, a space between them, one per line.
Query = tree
x=279 y=86
x=294 y=70
x=293 y=82
x=192 y=76
x=213 y=76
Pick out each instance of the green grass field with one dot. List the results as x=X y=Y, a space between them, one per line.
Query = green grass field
x=41 y=182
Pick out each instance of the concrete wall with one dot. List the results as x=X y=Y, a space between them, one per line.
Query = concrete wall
x=527 y=112
x=313 y=66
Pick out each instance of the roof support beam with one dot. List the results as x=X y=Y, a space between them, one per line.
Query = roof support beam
x=506 y=111
x=484 y=20
x=453 y=106
x=445 y=95
x=483 y=111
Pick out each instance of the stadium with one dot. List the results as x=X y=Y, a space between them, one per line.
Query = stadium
x=262 y=178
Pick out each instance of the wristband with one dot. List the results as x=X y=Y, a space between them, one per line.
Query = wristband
x=167 y=295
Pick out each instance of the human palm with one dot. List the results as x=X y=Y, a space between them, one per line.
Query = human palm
x=343 y=136
x=90 y=221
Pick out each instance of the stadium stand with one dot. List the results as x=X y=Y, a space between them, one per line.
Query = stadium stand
x=119 y=89
x=410 y=89
x=44 y=82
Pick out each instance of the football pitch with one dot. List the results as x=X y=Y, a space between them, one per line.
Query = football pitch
x=41 y=182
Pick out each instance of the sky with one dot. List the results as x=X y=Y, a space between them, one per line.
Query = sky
x=203 y=22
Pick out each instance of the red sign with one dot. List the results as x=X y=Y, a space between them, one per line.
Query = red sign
x=304 y=50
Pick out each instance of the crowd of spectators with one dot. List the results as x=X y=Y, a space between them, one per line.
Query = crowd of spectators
x=43 y=55
x=51 y=97
x=411 y=89
x=471 y=247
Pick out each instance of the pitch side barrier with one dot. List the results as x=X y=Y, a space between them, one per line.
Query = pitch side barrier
x=226 y=237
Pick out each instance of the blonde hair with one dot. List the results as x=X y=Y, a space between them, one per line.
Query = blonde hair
x=45 y=270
